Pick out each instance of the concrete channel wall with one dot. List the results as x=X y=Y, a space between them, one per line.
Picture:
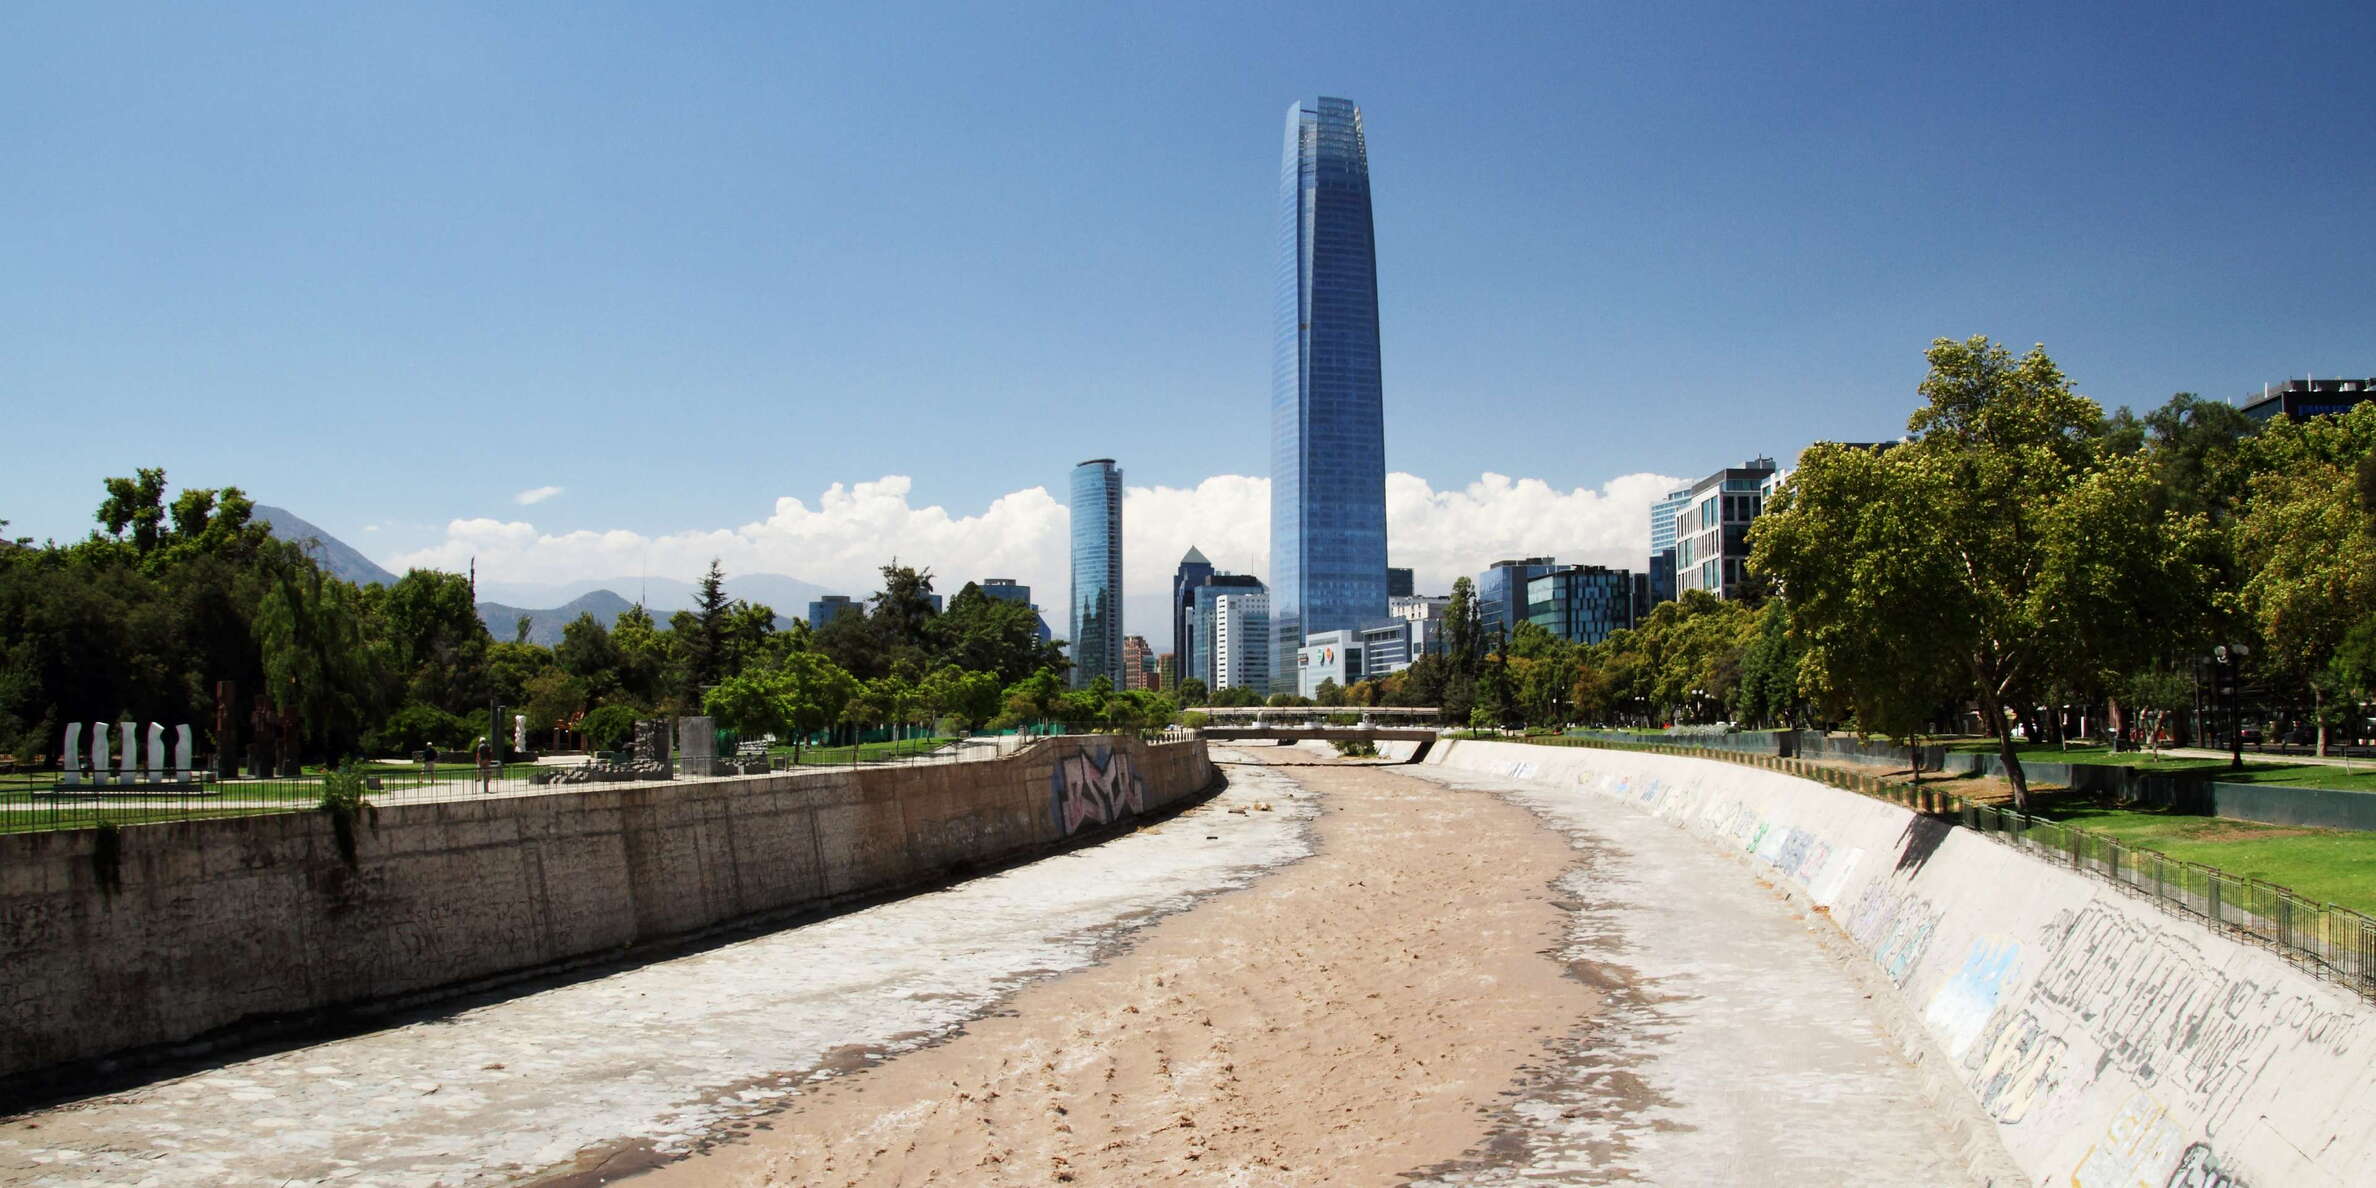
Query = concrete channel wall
x=201 y=925
x=2110 y=1041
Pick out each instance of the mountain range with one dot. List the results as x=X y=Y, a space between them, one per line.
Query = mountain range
x=503 y=603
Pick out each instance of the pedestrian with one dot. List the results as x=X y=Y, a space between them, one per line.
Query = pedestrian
x=429 y=763
x=486 y=765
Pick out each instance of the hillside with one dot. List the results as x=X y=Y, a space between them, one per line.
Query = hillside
x=336 y=556
x=545 y=625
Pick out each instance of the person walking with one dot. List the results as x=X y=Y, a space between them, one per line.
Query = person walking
x=486 y=765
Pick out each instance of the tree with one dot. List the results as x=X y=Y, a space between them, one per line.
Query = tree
x=2309 y=550
x=701 y=637
x=1329 y=693
x=1998 y=545
x=587 y=653
x=1192 y=691
x=1032 y=699
x=437 y=640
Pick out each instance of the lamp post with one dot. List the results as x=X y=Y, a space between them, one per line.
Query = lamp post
x=2225 y=660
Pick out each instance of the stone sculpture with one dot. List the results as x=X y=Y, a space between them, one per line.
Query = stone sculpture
x=70 y=766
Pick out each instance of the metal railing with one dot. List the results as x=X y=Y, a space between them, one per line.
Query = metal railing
x=2328 y=940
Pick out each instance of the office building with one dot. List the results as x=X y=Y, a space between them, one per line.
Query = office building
x=1712 y=529
x=1501 y=594
x=1138 y=663
x=1200 y=660
x=1398 y=582
x=832 y=606
x=1389 y=645
x=1327 y=656
x=1242 y=640
x=1009 y=590
x=1418 y=607
x=1167 y=670
x=1328 y=441
x=1581 y=603
x=1194 y=571
x=1096 y=607
x=1662 y=545
x=2302 y=399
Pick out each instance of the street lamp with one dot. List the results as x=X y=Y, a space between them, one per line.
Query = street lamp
x=2225 y=659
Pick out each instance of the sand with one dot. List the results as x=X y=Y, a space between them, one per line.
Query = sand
x=1356 y=1017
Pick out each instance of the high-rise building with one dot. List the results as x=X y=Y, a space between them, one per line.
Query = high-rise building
x=1327 y=656
x=1501 y=594
x=1194 y=571
x=1662 y=545
x=1581 y=603
x=1712 y=529
x=1199 y=662
x=1138 y=663
x=1096 y=609
x=1398 y=582
x=1242 y=640
x=832 y=606
x=1328 y=439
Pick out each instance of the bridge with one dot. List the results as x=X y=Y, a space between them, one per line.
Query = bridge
x=1288 y=725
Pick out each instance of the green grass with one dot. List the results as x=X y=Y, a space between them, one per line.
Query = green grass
x=2358 y=778
x=873 y=752
x=2327 y=865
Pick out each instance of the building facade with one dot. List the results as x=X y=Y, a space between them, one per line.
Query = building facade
x=1712 y=529
x=1201 y=661
x=1096 y=607
x=1582 y=603
x=1242 y=640
x=1194 y=571
x=1328 y=443
x=832 y=606
x=1389 y=645
x=1327 y=656
x=1138 y=663
x=1398 y=582
x=1501 y=593
x=2302 y=399
x=1662 y=545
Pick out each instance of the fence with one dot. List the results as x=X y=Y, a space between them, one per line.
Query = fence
x=34 y=802
x=2333 y=942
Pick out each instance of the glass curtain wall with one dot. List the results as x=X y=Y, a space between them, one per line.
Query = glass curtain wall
x=1328 y=446
x=1097 y=572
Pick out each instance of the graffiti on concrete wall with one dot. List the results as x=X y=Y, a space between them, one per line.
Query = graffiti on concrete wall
x=1962 y=1008
x=2143 y=1147
x=1096 y=787
x=2016 y=1064
x=2165 y=1015
x=2199 y=1167
x=1895 y=926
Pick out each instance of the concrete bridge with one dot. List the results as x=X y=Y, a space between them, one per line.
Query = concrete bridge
x=1293 y=724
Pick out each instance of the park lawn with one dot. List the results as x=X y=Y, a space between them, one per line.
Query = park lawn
x=873 y=752
x=2328 y=865
x=2361 y=778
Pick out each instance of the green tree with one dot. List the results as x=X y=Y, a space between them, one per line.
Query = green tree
x=2308 y=551
x=1998 y=545
x=1192 y=691
x=587 y=653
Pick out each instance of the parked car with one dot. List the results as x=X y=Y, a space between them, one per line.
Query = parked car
x=2250 y=735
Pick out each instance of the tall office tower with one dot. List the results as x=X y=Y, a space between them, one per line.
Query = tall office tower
x=1241 y=641
x=1328 y=439
x=1199 y=661
x=1194 y=571
x=1097 y=573
x=1138 y=663
x=1501 y=593
x=1398 y=582
x=1662 y=545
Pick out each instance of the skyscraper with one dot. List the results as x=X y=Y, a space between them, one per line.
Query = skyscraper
x=1194 y=571
x=1097 y=572
x=1328 y=440
x=1662 y=545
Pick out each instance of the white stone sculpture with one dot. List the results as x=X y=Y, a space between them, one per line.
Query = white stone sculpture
x=98 y=752
x=185 y=764
x=128 y=758
x=70 y=768
x=156 y=753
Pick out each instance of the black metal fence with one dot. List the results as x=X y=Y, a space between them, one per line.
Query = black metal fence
x=2333 y=942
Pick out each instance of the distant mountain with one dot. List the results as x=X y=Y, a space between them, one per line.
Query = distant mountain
x=789 y=596
x=503 y=622
x=331 y=553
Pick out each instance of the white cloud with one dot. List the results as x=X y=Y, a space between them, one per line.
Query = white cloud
x=535 y=495
x=853 y=529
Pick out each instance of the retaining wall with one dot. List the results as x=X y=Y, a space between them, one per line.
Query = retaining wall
x=201 y=925
x=2110 y=1041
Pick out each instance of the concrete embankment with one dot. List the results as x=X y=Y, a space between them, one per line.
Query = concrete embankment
x=2109 y=1040
x=180 y=930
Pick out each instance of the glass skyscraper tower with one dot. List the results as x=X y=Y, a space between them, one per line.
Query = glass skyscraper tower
x=1097 y=572
x=1328 y=437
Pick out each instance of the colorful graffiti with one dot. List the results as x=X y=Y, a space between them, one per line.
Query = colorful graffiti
x=1096 y=787
x=2137 y=1149
x=2016 y=1064
x=1894 y=926
x=1962 y=1008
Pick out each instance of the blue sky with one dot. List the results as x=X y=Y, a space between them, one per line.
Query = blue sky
x=389 y=266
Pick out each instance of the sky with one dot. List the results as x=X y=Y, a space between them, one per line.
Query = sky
x=593 y=290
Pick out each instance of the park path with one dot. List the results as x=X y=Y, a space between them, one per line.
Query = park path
x=1470 y=982
x=651 y=1060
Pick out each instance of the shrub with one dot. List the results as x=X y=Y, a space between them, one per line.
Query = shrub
x=417 y=726
x=609 y=728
